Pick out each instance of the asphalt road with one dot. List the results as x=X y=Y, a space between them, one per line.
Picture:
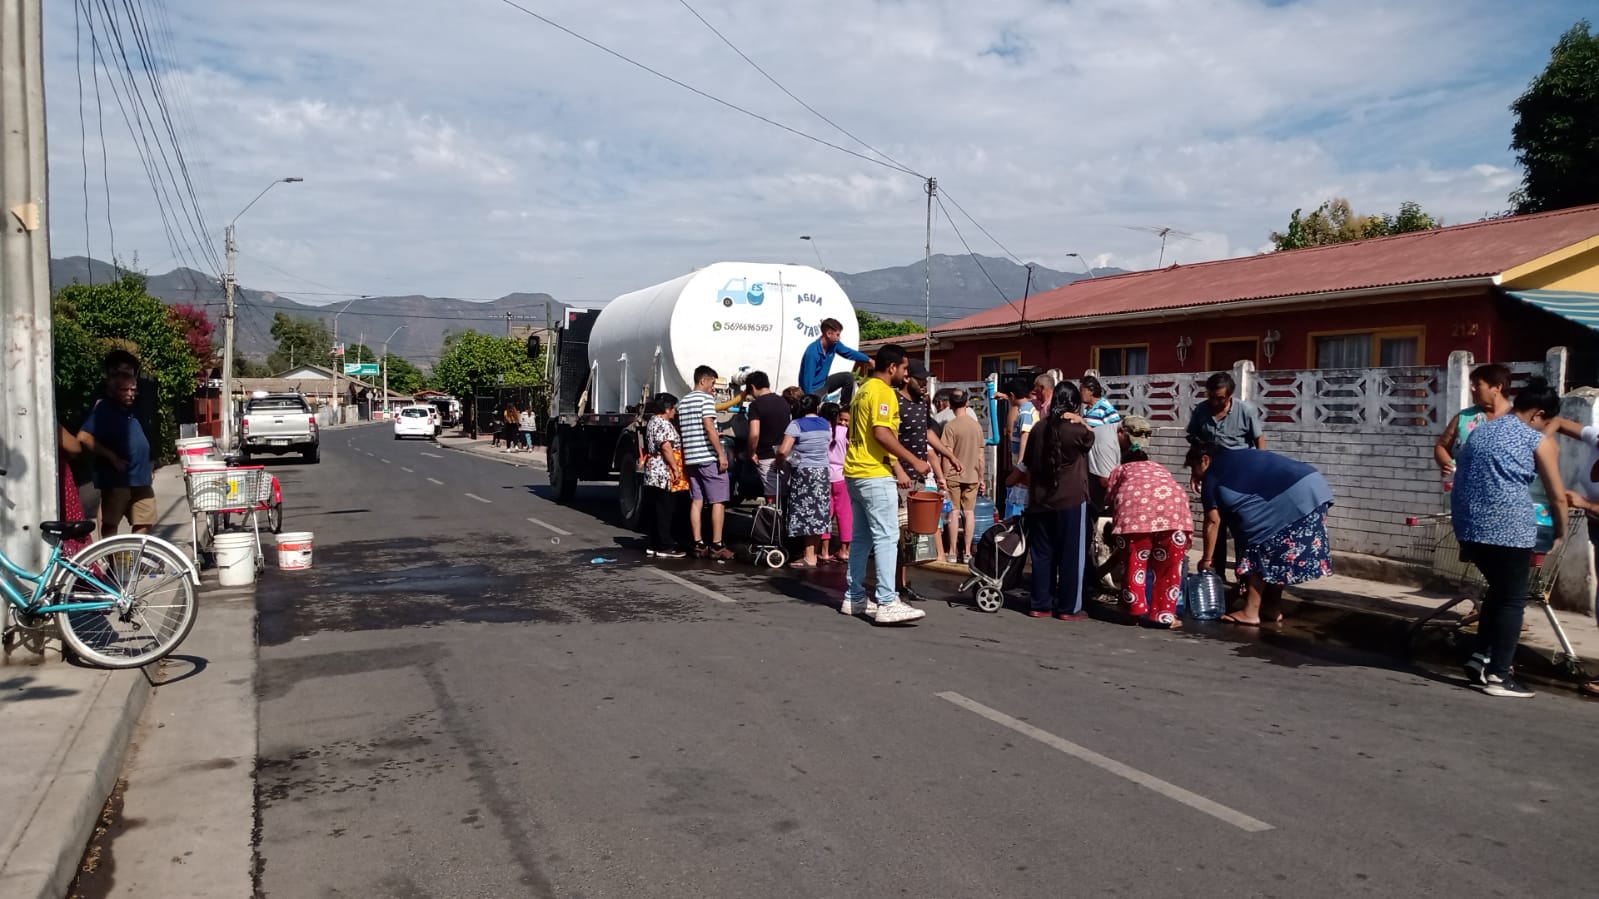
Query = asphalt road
x=457 y=702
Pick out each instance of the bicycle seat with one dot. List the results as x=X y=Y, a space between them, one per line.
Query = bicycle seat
x=67 y=530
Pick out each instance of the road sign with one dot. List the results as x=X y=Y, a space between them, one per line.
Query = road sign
x=359 y=369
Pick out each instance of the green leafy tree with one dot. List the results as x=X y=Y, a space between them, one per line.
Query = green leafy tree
x=300 y=342
x=1336 y=222
x=359 y=352
x=472 y=361
x=403 y=376
x=94 y=318
x=245 y=367
x=874 y=327
x=1556 y=136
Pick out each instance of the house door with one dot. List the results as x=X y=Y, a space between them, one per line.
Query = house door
x=1223 y=354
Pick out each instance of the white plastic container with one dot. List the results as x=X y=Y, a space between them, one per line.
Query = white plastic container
x=731 y=316
x=191 y=463
x=294 y=550
x=235 y=559
x=194 y=449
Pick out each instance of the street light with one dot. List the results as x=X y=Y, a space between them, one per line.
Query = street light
x=1086 y=267
x=815 y=246
x=228 y=282
x=386 y=370
x=338 y=413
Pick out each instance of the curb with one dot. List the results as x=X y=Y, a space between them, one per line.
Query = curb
x=534 y=459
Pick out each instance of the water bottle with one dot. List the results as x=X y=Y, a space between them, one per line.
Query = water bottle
x=1206 y=596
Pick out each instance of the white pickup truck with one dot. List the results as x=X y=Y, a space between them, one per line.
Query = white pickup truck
x=278 y=423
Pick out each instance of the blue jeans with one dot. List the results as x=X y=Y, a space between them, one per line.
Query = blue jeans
x=874 y=502
x=1058 y=542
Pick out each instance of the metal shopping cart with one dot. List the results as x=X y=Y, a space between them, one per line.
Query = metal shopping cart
x=1435 y=546
x=215 y=496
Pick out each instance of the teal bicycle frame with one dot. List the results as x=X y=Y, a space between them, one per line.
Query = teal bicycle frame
x=35 y=604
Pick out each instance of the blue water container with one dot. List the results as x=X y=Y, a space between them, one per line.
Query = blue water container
x=984 y=516
x=1205 y=595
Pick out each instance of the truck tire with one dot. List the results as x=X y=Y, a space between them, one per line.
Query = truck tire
x=630 y=481
x=558 y=460
x=314 y=453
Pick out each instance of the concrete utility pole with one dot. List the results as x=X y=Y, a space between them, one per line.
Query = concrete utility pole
x=338 y=360
x=228 y=282
x=507 y=325
x=386 y=370
x=29 y=492
x=927 y=297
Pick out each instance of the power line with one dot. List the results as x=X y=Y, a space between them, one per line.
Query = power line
x=692 y=89
x=1014 y=258
x=974 y=256
x=83 y=133
x=99 y=112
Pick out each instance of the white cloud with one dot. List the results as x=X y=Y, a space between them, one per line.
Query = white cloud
x=465 y=149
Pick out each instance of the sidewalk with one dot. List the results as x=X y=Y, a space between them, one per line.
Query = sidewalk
x=64 y=732
x=484 y=446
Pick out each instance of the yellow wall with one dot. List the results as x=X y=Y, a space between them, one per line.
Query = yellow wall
x=1573 y=268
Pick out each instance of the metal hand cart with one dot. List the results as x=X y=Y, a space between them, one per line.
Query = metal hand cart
x=1435 y=546
x=215 y=495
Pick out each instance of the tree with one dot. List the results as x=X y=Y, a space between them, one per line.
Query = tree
x=300 y=341
x=403 y=376
x=1335 y=222
x=90 y=319
x=359 y=352
x=875 y=327
x=1556 y=135
x=472 y=360
x=245 y=367
x=197 y=329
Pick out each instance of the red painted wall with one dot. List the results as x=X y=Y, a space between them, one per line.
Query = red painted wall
x=1478 y=322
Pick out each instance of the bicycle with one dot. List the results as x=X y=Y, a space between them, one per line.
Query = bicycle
x=122 y=602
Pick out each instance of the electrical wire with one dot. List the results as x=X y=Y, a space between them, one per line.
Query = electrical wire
x=99 y=112
x=1013 y=257
x=83 y=134
x=975 y=257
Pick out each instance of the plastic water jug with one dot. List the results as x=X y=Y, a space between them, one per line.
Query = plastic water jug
x=1205 y=595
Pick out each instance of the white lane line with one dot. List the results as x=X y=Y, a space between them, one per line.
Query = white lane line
x=406 y=470
x=684 y=582
x=385 y=462
x=547 y=526
x=476 y=497
x=437 y=481
x=432 y=455
x=1170 y=791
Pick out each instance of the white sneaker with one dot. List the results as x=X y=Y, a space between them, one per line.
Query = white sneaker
x=1477 y=669
x=898 y=612
x=857 y=607
x=871 y=608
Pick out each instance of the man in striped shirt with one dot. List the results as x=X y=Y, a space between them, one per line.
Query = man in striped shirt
x=706 y=464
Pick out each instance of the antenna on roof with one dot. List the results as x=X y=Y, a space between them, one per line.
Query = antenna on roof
x=1163 y=234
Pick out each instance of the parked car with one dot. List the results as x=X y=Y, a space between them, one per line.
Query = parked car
x=414 y=421
x=278 y=423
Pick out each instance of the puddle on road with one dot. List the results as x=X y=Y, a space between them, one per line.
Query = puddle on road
x=382 y=584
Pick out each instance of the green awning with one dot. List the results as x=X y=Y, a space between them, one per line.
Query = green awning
x=1573 y=305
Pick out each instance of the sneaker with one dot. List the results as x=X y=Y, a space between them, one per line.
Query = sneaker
x=854 y=607
x=721 y=553
x=898 y=613
x=649 y=553
x=1477 y=669
x=1039 y=613
x=668 y=553
x=1505 y=686
x=701 y=551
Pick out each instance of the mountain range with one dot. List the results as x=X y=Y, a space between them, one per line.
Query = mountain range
x=961 y=286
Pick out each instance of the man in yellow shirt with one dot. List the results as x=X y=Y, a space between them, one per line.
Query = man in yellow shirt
x=873 y=482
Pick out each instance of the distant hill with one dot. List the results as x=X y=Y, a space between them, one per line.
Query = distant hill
x=959 y=289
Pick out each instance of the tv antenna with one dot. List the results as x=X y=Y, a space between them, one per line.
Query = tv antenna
x=1163 y=234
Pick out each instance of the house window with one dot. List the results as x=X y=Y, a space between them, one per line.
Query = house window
x=1223 y=353
x=1388 y=348
x=1116 y=361
x=1000 y=364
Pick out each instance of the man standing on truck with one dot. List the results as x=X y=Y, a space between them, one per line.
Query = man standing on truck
x=817 y=363
x=706 y=463
x=872 y=479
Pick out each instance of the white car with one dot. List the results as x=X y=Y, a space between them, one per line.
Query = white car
x=414 y=421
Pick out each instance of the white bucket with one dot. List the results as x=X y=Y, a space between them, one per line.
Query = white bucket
x=235 y=559
x=193 y=449
x=191 y=463
x=294 y=550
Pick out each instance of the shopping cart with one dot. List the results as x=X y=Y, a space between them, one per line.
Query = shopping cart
x=1436 y=547
x=215 y=496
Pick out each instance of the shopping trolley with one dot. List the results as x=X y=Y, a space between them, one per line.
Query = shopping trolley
x=1436 y=547
x=216 y=495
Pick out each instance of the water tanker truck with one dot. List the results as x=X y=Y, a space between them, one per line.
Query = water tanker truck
x=735 y=317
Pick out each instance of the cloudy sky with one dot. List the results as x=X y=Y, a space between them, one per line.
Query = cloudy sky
x=465 y=148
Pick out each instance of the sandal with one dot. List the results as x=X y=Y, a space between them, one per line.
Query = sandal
x=803 y=564
x=1591 y=688
x=1230 y=618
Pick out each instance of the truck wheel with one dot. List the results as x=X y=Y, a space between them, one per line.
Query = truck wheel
x=563 y=480
x=314 y=454
x=629 y=489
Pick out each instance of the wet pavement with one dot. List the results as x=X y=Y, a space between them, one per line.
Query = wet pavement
x=458 y=701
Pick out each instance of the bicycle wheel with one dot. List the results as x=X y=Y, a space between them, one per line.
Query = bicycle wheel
x=155 y=603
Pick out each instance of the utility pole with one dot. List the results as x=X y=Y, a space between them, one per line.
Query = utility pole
x=507 y=325
x=927 y=296
x=386 y=370
x=229 y=282
x=338 y=359
x=28 y=446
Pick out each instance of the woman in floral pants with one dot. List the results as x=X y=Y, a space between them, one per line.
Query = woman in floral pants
x=1154 y=526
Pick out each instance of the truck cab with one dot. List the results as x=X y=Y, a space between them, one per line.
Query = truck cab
x=278 y=423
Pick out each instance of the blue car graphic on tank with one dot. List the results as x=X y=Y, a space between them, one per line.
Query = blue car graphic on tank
x=740 y=290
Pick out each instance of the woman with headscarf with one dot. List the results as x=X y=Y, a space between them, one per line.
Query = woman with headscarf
x=1277 y=507
x=1496 y=523
x=1055 y=466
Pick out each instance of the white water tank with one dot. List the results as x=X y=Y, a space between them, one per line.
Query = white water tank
x=733 y=316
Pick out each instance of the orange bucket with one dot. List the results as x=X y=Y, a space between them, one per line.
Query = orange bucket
x=925 y=507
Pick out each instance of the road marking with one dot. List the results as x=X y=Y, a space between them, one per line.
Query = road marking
x=406 y=470
x=684 y=582
x=476 y=497
x=385 y=461
x=437 y=481
x=432 y=455
x=548 y=526
x=1170 y=791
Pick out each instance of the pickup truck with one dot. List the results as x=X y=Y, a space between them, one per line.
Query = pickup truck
x=278 y=423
